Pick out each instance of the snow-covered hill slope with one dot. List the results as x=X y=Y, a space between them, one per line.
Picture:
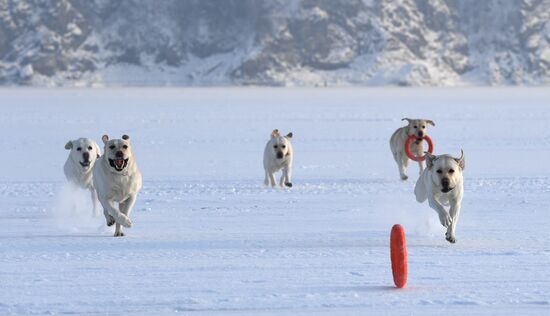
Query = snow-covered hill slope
x=275 y=42
x=210 y=239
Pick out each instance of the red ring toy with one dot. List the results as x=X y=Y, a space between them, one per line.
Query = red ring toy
x=413 y=138
x=398 y=254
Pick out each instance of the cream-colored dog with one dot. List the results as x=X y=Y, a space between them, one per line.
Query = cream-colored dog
x=277 y=156
x=442 y=184
x=117 y=180
x=416 y=127
x=79 y=165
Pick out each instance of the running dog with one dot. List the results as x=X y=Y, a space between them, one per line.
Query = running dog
x=117 y=180
x=416 y=127
x=277 y=156
x=441 y=184
x=79 y=165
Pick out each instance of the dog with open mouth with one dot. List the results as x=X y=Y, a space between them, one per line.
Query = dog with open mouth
x=442 y=183
x=83 y=155
x=415 y=127
x=117 y=180
x=278 y=156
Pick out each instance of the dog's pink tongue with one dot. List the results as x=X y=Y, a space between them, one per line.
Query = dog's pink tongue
x=119 y=163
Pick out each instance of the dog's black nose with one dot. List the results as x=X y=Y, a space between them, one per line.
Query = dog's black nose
x=119 y=154
x=280 y=155
x=86 y=156
x=420 y=134
x=445 y=182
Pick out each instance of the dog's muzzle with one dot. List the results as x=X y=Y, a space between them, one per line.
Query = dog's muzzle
x=419 y=138
x=118 y=163
x=280 y=155
x=85 y=164
x=445 y=184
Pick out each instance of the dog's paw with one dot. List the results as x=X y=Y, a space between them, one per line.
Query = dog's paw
x=119 y=234
x=404 y=177
x=124 y=221
x=445 y=219
x=110 y=221
x=288 y=184
x=450 y=238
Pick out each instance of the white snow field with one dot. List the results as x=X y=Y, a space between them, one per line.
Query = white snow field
x=209 y=238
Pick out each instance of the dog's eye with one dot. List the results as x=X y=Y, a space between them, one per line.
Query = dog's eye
x=112 y=146
x=283 y=146
x=79 y=148
x=125 y=146
x=451 y=170
x=275 y=146
x=423 y=126
x=439 y=171
x=415 y=126
x=89 y=147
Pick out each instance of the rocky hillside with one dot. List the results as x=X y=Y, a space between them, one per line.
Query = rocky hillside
x=274 y=42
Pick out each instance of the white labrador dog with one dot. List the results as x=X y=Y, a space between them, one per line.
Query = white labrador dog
x=117 y=180
x=416 y=127
x=441 y=184
x=277 y=156
x=79 y=165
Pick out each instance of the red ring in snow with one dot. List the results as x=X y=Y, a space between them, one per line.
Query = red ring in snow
x=398 y=254
x=413 y=138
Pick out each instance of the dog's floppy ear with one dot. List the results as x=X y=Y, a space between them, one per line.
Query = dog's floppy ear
x=289 y=135
x=406 y=119
x=105 y=139
x=275 y=133
x=430 y=122
x=125 y=137
x=461 y=162
x=69 y=145
x=430 y=159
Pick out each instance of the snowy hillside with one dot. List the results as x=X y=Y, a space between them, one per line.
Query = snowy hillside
x=274 y=42
x=210 y=239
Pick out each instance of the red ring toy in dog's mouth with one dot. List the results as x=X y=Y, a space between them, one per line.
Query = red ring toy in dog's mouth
x=412 y=139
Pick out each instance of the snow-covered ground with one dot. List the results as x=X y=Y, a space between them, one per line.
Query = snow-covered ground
x=209 y=238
